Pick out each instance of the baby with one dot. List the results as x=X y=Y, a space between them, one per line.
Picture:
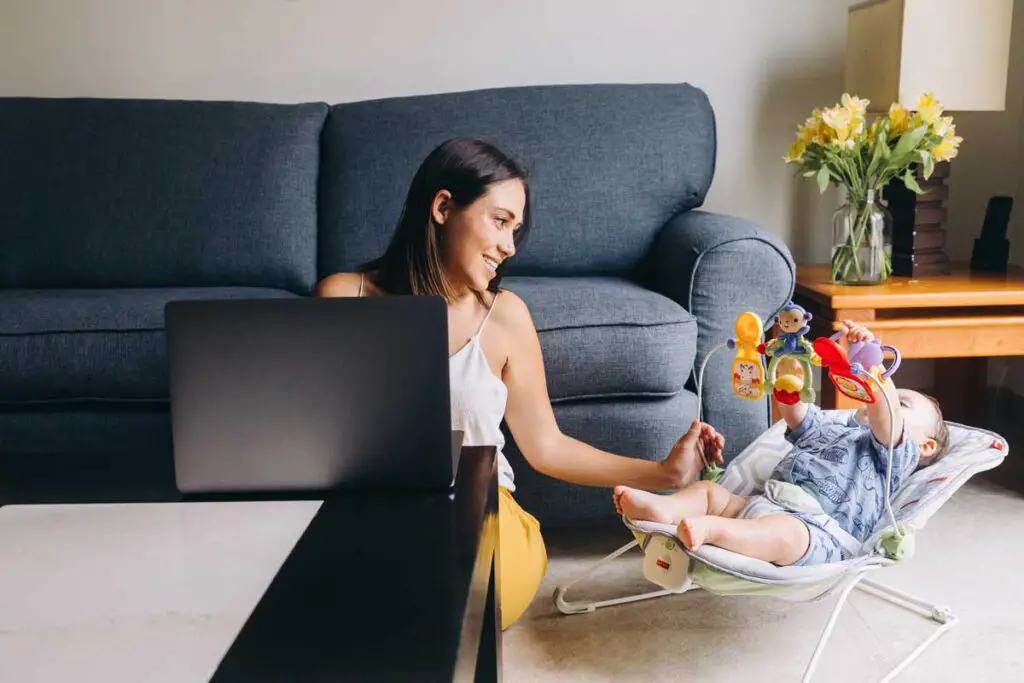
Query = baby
x=824 y=499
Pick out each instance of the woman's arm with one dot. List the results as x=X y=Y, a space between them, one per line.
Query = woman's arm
x=531 y=420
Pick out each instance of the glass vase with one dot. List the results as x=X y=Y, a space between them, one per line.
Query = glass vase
x=861 y=241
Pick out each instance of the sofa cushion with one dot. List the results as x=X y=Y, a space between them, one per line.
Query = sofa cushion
x=607 y=337
x=609 y=164
x=153 y=193
x=106 y=344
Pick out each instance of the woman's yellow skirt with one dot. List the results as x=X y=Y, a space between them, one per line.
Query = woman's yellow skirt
x=522 y=558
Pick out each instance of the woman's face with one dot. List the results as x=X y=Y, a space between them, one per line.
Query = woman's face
x=475 y=239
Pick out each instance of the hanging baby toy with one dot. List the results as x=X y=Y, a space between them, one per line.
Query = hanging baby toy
x=850 y=370
x=749 y=379
x=847 y=368
x=747 y=369
x=794 y=323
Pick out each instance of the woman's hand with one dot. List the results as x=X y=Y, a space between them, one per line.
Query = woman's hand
x=701 y=444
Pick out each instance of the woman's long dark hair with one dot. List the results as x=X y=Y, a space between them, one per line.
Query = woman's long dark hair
x=465 y=167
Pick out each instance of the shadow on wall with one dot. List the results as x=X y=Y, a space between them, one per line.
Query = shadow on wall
x=786 y=99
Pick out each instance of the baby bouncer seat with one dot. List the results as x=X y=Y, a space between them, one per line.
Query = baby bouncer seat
x=670 y=565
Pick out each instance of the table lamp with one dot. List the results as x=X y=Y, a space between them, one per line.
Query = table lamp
x=897 y=50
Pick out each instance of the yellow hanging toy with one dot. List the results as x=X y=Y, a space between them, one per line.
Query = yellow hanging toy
x=747 y=368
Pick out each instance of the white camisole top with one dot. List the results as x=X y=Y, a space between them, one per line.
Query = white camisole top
x=478 y=399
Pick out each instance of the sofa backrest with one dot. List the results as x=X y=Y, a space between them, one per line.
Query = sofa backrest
x=140 y=193
x=608 y=166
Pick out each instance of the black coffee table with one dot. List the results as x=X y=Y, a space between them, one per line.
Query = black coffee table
x=381 y=586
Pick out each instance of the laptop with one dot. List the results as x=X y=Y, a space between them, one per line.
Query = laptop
x=310 y=395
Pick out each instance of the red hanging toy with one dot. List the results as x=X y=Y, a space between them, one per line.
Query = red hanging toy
x=848 y=369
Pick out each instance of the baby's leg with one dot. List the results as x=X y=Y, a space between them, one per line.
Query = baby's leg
x=780 y=539
x=699 y=498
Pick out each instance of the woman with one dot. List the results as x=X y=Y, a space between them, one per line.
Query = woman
x=465 y=214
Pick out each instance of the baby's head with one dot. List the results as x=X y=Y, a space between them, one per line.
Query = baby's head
x=924 y=421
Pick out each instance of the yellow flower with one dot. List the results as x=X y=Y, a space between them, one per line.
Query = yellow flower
x=809 y=135
x=813 y=129
x=796 y=152
x=944 y=126
x=899 y=119
x=840 y=121
x=824 y=133
x=929 y=108
x=857 y=106
x=947 y=147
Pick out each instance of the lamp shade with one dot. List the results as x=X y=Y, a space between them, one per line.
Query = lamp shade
x=897 y=50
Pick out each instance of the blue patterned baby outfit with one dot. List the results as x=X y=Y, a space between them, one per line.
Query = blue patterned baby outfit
x=841 y=464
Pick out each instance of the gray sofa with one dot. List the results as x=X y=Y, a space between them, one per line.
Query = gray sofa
x=111 y=208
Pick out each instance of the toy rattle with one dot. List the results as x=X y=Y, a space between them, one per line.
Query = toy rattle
x=848 y=368
x=747 y=369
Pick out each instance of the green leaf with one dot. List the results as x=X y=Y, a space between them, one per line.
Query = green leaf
x=929 y=164
x=911 y=182
x=909 y=141
x=876 y=156
x=823 y=177
x=808 y=174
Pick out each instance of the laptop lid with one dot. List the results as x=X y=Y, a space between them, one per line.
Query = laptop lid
x=310 y=394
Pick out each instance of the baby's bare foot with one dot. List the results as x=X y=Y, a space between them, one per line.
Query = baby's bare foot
x=641 y=505
x=693 y=531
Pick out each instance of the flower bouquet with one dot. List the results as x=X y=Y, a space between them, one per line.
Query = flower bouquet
x=838 y=147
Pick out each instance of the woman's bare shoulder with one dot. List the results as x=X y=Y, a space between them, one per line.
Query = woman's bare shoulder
x=520 y=344
x=339 y=284
x=513 y=313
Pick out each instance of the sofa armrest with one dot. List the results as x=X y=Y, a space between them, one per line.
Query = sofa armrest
x=716 y=267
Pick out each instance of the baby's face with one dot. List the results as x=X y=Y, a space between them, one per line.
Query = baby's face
x=921 y=418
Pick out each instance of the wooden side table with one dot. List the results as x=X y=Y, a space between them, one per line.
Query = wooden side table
x=959 y=319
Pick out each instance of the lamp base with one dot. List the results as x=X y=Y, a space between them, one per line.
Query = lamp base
x=918 y=235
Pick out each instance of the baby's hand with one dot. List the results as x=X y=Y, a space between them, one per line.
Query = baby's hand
x=855 y=333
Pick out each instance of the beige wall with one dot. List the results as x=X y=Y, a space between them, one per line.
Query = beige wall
x=764 y=69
